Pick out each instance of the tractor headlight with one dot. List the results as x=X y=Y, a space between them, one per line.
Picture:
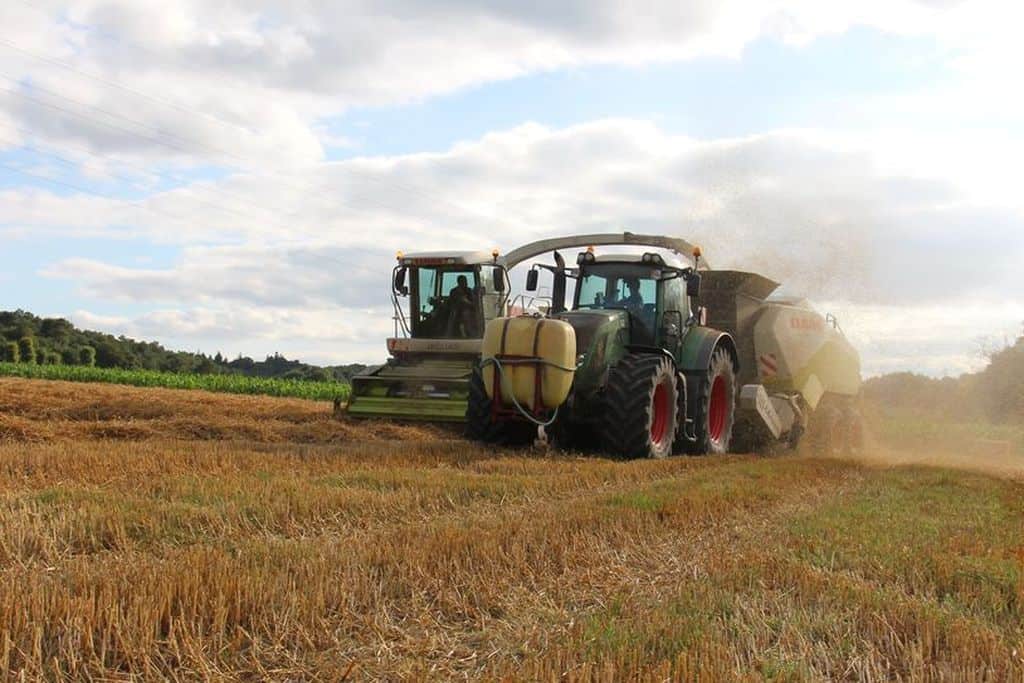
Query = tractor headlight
x=585 y=257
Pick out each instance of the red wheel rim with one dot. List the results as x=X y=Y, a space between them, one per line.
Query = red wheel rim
x=718 y=409
x=659 y=414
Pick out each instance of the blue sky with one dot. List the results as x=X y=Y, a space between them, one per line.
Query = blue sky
x=707 y=98
x=237 y=178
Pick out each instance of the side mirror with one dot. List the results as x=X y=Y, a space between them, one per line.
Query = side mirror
x=400 y=282
x=693 y=286
x=499 y=279
x=531 y=280
x=671 y=327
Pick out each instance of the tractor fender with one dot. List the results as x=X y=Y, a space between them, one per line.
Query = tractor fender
x=699 y=345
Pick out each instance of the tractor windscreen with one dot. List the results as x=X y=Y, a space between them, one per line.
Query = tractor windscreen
x=626 y=286
x=445 y=303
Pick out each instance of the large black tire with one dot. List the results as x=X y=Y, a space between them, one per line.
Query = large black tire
x=715 y=407
x=480 y=426
x=639 y=419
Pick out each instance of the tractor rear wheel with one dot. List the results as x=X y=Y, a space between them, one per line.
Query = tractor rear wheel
x=715 y=409
x=480 y=426
x=640 y=402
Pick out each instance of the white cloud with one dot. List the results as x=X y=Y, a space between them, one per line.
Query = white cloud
x=937 y=339
x=282 y=277
x=246 y=81
x=810 y=209
x=907 y=215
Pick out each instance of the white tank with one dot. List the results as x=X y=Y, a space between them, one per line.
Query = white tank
x=798 y=349
x=783 y=344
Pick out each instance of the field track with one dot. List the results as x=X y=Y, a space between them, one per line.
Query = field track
x=155 y=533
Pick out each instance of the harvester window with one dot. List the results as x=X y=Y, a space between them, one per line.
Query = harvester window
x=446 y=303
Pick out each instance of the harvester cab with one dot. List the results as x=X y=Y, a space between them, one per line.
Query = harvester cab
x=442 y=301
x=447 y=296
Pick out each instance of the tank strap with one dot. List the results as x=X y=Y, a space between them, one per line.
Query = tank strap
x=504 y=335
x=536 y=336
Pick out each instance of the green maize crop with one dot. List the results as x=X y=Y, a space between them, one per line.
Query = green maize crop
x=231 y=384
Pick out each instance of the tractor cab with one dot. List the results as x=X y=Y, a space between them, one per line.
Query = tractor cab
x=447 y=295
x=649 y=294
x=645 y=287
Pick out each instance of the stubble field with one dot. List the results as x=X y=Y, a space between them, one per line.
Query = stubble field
x=150 y=533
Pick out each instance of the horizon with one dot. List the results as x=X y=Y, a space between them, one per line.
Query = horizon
x=999 y=345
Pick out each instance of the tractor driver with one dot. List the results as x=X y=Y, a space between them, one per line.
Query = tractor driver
x=460 y=304
x=635 y=301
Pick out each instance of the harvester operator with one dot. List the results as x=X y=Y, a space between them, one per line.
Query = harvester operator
x=460 y=304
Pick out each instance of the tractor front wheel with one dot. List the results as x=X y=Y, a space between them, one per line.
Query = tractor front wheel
x=716 y=406
x=640 y=402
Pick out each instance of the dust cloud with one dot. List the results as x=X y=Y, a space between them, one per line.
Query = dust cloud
x=992 y=458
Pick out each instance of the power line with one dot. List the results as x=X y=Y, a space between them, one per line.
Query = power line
x=189 y=183
x=21 y=93
x=84 y=190
x=73 y=164
x=120 y=86
x=177 y=143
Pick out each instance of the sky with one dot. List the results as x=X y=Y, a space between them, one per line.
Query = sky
x=237 y=175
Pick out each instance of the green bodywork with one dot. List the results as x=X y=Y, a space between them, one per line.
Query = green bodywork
x=425 y=388
x=427 y=377
x=606 y=339
x=605 y=336
x=601 y=338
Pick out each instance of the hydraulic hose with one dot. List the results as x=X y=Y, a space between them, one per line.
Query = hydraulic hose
x=522 y=411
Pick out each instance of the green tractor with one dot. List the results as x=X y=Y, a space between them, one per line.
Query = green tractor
x=649 y=378
x=646 y=376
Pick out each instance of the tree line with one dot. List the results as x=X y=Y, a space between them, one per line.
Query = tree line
x=27 y=338
x=996 y=393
